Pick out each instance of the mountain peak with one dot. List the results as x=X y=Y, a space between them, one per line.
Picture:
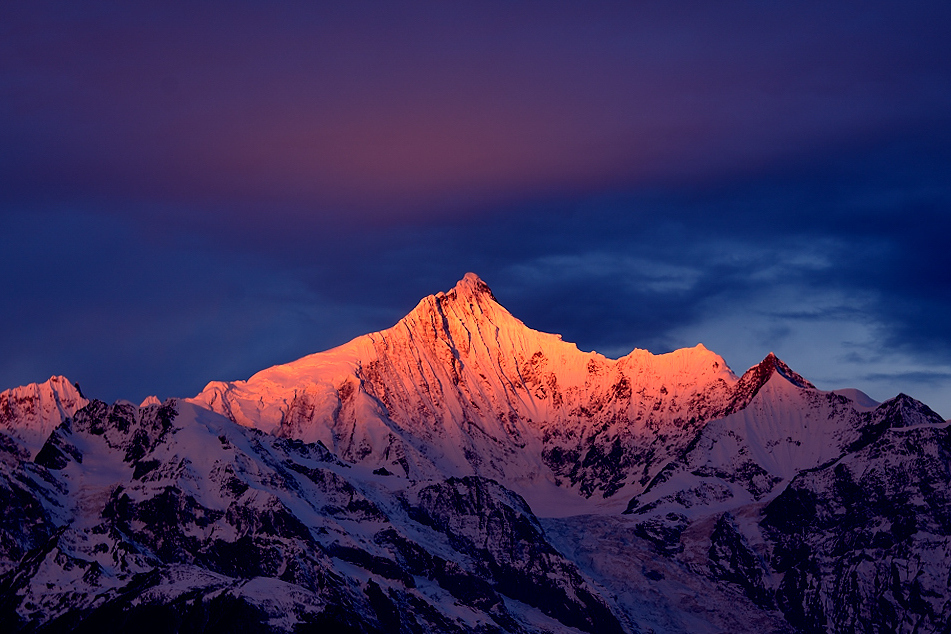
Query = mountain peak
x=757 y=376
x=469 y=302
x=30 y=412
x=773 y=364
x=471 y=286
x=470 y=297
x=905 y=411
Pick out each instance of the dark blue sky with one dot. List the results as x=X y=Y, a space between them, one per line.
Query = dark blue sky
x=191 y=193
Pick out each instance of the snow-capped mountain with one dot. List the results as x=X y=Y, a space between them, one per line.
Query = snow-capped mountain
x=461 y=387
x=460 y=472
x=787 y=427
x=28 y=414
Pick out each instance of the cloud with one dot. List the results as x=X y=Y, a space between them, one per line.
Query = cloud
x=938 y=378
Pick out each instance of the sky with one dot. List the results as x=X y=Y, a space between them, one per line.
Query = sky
x=196 y=191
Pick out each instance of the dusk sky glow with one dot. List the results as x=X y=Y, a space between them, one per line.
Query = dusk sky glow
x=191 y=193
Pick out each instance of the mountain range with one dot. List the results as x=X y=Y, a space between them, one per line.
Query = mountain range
x=461 y=472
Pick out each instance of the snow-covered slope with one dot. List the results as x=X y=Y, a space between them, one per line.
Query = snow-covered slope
x=169 y=517
x=29 y=413
x=460 y=386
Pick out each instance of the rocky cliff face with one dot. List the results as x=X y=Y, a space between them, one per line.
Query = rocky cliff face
x=461 y=472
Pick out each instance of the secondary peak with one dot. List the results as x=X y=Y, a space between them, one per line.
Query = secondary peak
x=772 y=364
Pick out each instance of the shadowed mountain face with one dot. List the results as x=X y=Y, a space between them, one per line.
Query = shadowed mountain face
x=461 y=472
